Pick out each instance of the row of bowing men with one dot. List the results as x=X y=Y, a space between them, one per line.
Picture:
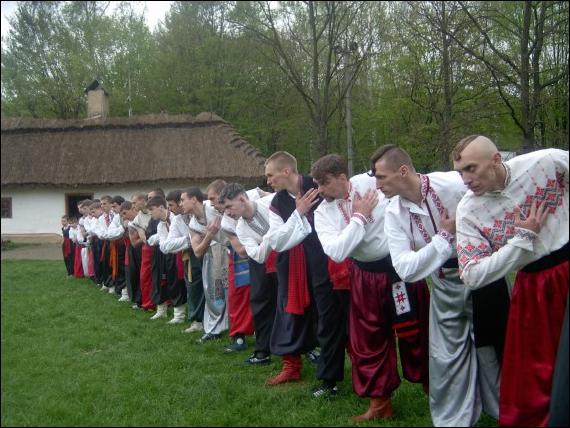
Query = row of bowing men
x=337 y=262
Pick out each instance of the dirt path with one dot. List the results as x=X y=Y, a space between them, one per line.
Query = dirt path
x=34 y=252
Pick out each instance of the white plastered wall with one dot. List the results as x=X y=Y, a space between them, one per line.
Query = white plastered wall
x=39 y=210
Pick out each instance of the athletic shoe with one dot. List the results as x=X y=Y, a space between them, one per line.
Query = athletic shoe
x=238 y=343
x=313 y=356
x=208 y=337
x=324 y=390
x=194 y=327
x=258 y=359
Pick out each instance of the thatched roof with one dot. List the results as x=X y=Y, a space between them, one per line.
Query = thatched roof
x=125 y=150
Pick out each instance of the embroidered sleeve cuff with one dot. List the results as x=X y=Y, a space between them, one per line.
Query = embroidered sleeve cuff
x=449 y=237
x=360 y=218
x=525 y=234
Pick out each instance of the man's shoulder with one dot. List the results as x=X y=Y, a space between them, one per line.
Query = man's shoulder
x=468 y=202
x=363 y=180
x=394 y=205
x=326 y=208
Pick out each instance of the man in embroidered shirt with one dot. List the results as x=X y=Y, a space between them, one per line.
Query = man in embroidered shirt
x=92 y=229
x=515 y=218
x=303 y=279
x=251 y=230
x=239 y=313
x=209 y=243
x=171 y=287
x=178 y=239
x=115 y=235
x=84 y=221
x=103 y=224
x=350 y=226
x=420 y=228
x=128 y=212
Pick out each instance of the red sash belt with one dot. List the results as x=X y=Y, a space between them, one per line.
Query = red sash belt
x=298 y=297
x=127 y=245
x=271 y=262
x=114 y=258
x=179 y=266
x=339 y=274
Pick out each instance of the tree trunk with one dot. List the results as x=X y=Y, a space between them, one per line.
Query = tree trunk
x=528 y=126
x=447 y=91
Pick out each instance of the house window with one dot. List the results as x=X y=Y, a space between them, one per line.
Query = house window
x=6 y=207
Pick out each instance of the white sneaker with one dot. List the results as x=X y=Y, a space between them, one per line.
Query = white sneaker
x=160 y=312
x=175 y=321
x=158 y=316
x=194 y=327
x=104 y=288
x=123 y=299
x=111 y=290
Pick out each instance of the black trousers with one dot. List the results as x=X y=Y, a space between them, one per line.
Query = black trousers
x=120 y=281
x=176 y=287
x=195 y=289
x=490 y=315
x=133 y=274
x=263 y=301
x=70 y=260
x=332 y=309
x=106 y=274
x=159 y=281
x=96 y=249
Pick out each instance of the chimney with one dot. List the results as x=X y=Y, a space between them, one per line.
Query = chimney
x=97 y=101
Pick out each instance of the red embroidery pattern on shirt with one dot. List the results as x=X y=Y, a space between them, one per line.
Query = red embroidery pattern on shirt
x=503 y=230
x=420 y=226
x=470 y=252
x=552 y=193
x=425 y=189
x=343 y=211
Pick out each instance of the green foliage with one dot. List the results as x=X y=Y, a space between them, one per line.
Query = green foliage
x=425 y=73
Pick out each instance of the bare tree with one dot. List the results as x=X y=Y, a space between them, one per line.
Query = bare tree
x=512 y=45
x=303 y=37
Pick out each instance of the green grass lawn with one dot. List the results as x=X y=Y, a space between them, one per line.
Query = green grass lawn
x=74 y=356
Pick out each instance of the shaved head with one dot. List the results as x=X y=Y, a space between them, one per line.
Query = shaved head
x=474 y=144
x=479 y=162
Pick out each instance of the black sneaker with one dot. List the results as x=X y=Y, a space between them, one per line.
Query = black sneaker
x=313 y=356
x=324 y=390
x=238 y=343
x=257 y=359
x=207 y=337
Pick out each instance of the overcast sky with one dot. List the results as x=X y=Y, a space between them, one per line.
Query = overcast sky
x=155 y=11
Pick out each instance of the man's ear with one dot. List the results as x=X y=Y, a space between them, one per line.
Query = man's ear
x=403 y=170
x=497 y=159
